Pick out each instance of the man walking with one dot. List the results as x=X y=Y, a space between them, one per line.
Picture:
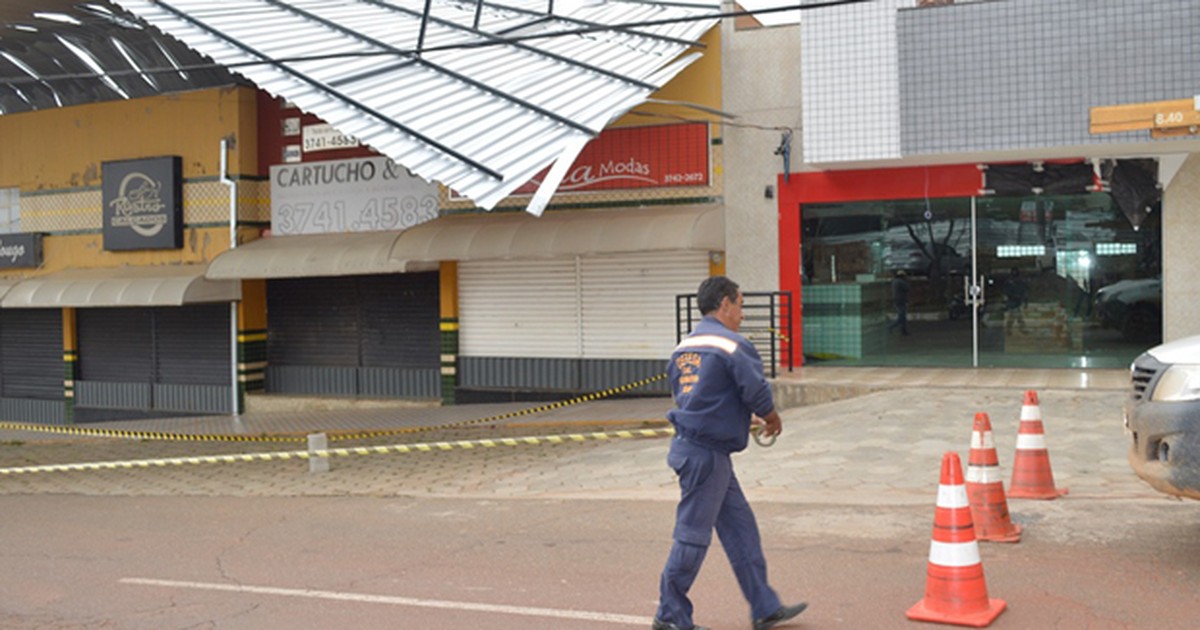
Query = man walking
x=717 y=381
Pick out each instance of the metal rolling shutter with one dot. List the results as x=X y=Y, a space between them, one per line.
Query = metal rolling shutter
x=312 y=321
x=399 y=321
x=116 y=358
x=31 y=353
x=401 y=346
x=192 y=344
x=116 y=344
x=511 y=308
x=629 y=302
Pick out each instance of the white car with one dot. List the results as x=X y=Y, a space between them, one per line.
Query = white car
x=1163 y=417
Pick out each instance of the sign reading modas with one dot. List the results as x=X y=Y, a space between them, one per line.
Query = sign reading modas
x=143 y=204
x=19 y=251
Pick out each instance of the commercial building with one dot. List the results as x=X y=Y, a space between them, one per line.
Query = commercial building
x=959 y=144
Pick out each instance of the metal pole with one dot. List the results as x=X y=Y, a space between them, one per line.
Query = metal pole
x=973 y=290
x=233 y=307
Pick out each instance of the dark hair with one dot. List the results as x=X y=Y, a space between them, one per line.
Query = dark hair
x=712 y=290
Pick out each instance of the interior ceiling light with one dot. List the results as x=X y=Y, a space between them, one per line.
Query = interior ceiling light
x=57 y=17
x=25 y=27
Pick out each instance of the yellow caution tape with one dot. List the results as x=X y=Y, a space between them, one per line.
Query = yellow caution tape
x=503 y=416
x=343 y=452
x=333 y=436
x=148 y=435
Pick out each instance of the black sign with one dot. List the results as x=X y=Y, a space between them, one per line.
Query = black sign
x=143 y=203
x=20 y=250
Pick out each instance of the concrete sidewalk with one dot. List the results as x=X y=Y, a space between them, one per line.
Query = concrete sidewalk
x=877 y=448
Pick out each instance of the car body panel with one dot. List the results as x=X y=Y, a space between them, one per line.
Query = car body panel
x=1164 y=445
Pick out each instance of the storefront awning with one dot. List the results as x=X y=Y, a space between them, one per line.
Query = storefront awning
x=167 y=285
x=476 y=237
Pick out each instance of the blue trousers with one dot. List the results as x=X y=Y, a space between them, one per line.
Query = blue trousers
x=710 y=497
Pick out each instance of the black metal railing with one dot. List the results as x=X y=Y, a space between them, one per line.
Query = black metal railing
x=767 y=324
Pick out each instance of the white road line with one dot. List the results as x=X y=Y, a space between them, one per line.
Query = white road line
x=396 y=601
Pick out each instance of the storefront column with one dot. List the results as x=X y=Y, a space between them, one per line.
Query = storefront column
x=716 y=264
x=70 y=364
x=252 y=338
x=448 y=303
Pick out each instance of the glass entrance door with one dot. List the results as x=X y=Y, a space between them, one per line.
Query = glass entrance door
x=1038 y=281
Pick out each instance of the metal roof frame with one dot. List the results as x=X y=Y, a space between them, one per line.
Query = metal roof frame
x=476 y=111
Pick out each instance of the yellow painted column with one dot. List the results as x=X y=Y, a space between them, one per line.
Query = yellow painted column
x=252 y=336
x=70 y=362
x=448 y=306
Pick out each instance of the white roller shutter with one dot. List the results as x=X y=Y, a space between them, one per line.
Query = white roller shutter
x=518 y=308
x=619 y=306
x=629 y=302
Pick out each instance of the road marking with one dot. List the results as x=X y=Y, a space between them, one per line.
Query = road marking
x=580 y=615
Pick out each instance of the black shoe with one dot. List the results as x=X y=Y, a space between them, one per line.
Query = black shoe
x=779 y=616
x=666 y=625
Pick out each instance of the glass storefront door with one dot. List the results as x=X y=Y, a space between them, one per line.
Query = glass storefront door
x=1059 y=281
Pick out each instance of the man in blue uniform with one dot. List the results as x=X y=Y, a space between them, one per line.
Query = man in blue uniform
x=717 y=382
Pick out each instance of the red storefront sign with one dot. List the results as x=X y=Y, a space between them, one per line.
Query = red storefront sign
x=658 y=156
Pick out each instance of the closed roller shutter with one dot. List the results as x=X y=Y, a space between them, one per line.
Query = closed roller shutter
x=31 y=343
x=519 y=309
x=372 y=336
x=313 y=321
x=192 y=344
x=116 y=344
x=399 y=321
x=629 y=302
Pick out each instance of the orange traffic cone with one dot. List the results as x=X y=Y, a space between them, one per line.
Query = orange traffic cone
x=955 y=591
x=985 y=490
x=1032 y=478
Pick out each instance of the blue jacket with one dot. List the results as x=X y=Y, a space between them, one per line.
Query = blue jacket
x=717 y=380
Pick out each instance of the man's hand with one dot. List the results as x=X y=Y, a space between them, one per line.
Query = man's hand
x=772 y=424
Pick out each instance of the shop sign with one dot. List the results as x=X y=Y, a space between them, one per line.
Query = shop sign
x=20 y=250
x=625 y=158
x=143 y=203
x=355 y=195
x=324 y=137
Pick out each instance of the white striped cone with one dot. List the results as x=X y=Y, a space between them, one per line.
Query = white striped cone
x=1032 y=477
x=985 y=490
x=955 y=589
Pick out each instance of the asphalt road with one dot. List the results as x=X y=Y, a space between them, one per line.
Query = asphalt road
x=574 y=535
x=360 y=562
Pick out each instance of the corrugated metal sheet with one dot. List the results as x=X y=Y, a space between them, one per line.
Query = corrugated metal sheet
x=474 y=110
x=36 y=411
x=110 y=395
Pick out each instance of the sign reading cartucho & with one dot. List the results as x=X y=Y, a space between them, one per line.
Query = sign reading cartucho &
x=20 y=250
x=143 y=203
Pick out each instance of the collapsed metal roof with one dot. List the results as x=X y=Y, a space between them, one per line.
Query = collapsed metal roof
x=475 y=94
x=57 y=53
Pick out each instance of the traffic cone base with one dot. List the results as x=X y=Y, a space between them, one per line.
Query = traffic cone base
x=921 y=612
x=989 y=509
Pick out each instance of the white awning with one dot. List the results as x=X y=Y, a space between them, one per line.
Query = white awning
x=164 y=285
x=477 y=237
x=309 y=255
x=480 y=96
